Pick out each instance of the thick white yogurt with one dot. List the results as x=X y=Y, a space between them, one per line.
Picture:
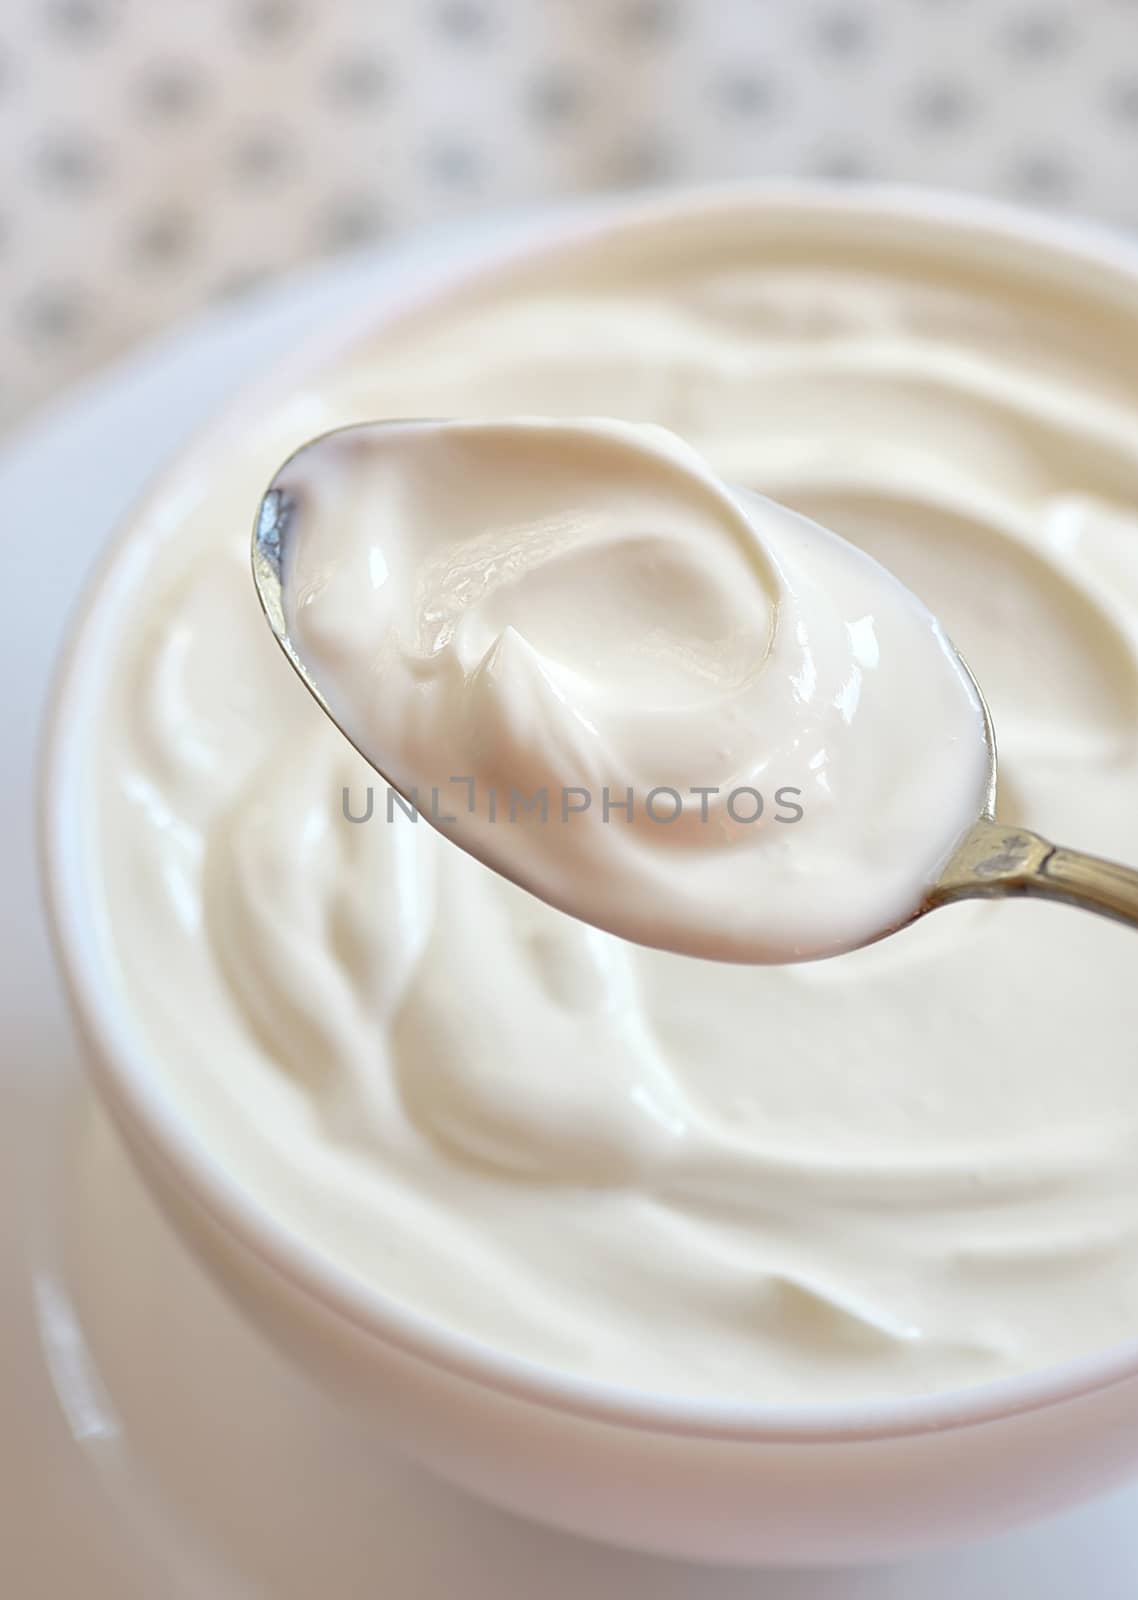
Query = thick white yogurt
x=902 y=1169
x=674 y=709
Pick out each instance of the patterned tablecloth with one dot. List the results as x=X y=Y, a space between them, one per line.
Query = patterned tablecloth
x=157 y=153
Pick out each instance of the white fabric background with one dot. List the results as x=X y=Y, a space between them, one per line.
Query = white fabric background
x=157 y=153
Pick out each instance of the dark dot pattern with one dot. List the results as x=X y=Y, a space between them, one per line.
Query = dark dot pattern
x=262 y=157
x=159 y=155
x=746 y=94
x=268 y=20
x=357 y=82
x=163 y=239
x=648 y=19
x=941 y=106
x=1042 y=175
x=71 y=162
x=1036 y=34
x=81 y=21
x=239 y=285
x=453 y=164
x=844 y=32
x=841 y=166
x=52 y=314
x=170 y=92
x=464 y=20
x=645 y=160
x=351 y=222
x=1122 y=99
x=556 y=98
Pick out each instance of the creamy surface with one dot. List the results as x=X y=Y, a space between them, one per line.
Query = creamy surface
x=902 y=1169
x=668 y=706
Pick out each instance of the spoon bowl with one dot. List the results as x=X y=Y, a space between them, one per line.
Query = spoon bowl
x=991 y=859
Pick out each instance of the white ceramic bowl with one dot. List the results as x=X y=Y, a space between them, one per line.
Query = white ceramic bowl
x=716 y=1481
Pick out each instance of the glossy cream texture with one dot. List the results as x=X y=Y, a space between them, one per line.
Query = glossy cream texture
x=670 y=707
x=902 y=1169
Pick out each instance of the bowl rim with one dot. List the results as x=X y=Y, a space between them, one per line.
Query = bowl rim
x=118 y=1060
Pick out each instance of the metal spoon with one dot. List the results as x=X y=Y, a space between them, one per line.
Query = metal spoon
x=997 y=859
x=992 y=859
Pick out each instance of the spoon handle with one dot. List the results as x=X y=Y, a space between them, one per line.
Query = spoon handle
x=995 y=859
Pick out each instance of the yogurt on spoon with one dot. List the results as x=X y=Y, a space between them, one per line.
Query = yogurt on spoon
x=666 y=705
